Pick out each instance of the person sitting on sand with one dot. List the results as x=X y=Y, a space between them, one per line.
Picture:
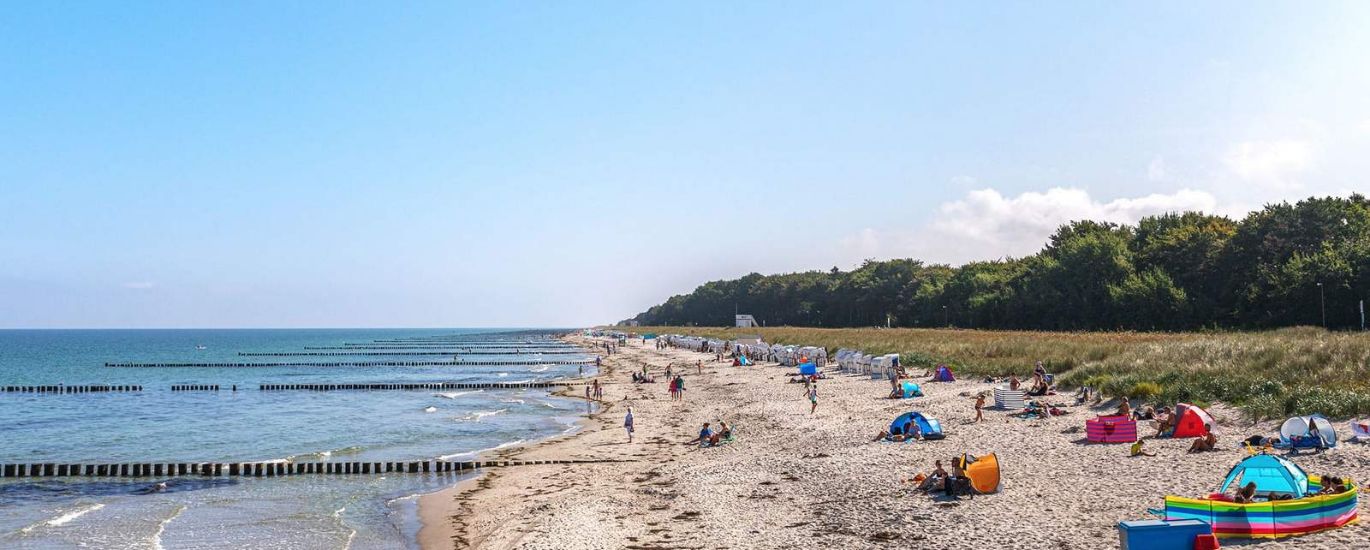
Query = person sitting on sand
x=1208 y=442
x=1246 y=494
x=1165 y=423
x=908 y=432
x=957 y=481
x=1332 y=486
x=1124 y=408
x=1013 y=382
x=724 y=433
x=935 y=481
x=1137 y=450
x=1145 y=413
x=705 y=436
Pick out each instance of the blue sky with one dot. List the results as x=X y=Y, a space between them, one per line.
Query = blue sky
x=521 y=164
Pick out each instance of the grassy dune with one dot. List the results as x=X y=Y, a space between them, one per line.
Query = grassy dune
x=1268 y=374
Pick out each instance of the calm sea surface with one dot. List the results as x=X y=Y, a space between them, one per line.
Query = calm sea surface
x=158 y=425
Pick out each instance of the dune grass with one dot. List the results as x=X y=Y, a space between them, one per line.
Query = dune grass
x=1268 y=374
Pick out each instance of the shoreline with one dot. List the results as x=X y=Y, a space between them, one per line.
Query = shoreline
x=434 y=509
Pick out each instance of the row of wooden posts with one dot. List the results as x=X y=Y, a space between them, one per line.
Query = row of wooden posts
x=63 y=389
x=260 y=469
x=326 y=353
x=349 y=364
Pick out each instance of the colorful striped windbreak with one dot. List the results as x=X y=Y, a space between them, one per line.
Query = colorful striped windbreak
x=1274 y=519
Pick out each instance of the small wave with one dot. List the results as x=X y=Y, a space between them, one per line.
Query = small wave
x=161 y=527
x=456 y=394
x=430 y=409
x=476 y=416
x=519 y=401
x=351 y=533
x=477 y=452
x=503 y=374
x=542 y=368
x=65 y=518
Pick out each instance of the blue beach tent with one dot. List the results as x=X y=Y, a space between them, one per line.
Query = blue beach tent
x=1270 y=473
x=930 y=427
x=909 y=389
x=808 y=369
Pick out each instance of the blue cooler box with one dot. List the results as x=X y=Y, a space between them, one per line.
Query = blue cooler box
x=1161 y=535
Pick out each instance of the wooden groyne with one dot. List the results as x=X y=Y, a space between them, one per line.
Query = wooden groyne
x=419 y=386
x=62 y=388
x=198 y=387
x=402 y=353
x=351 y=364
x=262 y=469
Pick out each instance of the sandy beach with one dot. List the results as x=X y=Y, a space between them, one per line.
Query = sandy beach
x=795 y=480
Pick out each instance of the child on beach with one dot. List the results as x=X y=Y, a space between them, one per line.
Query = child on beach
x=979 y=407
x=1137 y=450
x=811 y=391
x=628 y=423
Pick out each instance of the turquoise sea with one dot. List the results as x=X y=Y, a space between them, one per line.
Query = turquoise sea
x=158 y=425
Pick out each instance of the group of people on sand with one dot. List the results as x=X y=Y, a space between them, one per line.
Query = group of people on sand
x=709 y=438
x=952 y=484
x=594 y=391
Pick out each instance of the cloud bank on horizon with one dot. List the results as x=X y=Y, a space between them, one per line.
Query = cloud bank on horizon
x=171 y=165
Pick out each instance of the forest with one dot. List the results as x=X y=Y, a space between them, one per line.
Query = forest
x=1306 y=263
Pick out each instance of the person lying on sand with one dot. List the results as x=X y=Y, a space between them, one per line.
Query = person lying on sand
x=1137 y=450
x=1208 y=442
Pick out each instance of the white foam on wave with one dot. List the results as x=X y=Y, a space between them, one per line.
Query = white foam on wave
x=503 y=374
x=65 y=518
x=456 y=394
x=519 y=401
x=351 y=533
x=542 y=368
x=477 y=452
x=161 y=527
x=478 y=415
x=430 y=409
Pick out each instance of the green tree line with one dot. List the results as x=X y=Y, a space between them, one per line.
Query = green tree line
x=1182 y=271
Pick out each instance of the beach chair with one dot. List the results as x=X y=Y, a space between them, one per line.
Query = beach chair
x=1008 y=400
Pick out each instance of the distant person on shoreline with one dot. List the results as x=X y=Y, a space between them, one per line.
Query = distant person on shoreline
x=628 y=423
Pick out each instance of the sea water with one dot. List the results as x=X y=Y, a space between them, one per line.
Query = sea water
x=158 y=425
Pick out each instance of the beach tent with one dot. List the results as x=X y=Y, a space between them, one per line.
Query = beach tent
x=1111 y=429
x=742 y=361
x=1313 y=431
x=910 y=389
x=1007 y=399
x=983 y=471
x=808 y=369
x=930 y=427
x=1190 y=421
x=1270 y=473
x=943 y=374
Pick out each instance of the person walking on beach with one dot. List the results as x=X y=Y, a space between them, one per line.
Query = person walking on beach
x=680 y=387
x=599 y=391
x=980 y=407
x=628 y=423
x=811 y=391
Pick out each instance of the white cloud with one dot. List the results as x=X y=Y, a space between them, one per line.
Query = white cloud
x=139 y=285
x=1269 y=163
x=987 y=225
x=964 y=181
